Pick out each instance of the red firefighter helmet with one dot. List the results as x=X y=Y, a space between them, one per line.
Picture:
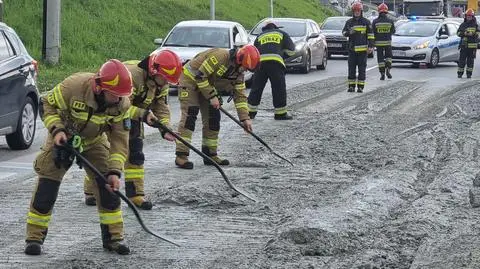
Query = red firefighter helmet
x=469 y=12
x=357 y=6
x=248 y=57
x=165 y=63
x=382 y=8
x=115 y=78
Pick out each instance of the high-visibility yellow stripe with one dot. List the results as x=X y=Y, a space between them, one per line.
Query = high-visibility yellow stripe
x=360 y=82
x=134 y=173
x=84 y=116
x=240 y=105
x=360 y=48
x=209 y=142
x=57 y=92
x=240 y=86
x=280 y=110
x=207 y=67
x=252 y=108
x=271 y=57
x=39 y=220
x=118 y=157
x=164 y=91
x=187 y=72
x=165 y=121
x=186 y=138
x=49 y=120
x=111 y=218
x=203 y=84
x=371 y=36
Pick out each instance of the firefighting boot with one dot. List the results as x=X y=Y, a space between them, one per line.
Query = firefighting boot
x=141 y=202
x=252 y=115
x=90 y=200
x=118 y=246
x=351 y=89
x=382 y=76
x=33 y=248
x=469 y=75
x=459 y=74
x=215 y=158
x=360 y=89
x=389 y=75
x=182 y=162
x=285 y=116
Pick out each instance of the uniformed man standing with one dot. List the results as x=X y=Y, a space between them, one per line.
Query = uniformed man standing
x=468 y=31
x=272 y=44
x=383 y=28
x=360 y=41
x=150 y=81
x=203 y=76
x=93 y=110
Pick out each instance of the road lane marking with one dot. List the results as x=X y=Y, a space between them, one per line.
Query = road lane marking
x=373 y=67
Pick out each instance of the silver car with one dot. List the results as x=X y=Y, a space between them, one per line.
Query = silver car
x=188 y=38
x=426 y=42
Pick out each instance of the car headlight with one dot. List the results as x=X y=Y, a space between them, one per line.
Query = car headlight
x=297 y=60
x=299 y=46
x=424 y=45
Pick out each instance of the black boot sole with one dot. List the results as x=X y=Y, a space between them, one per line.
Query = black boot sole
x=33 y=248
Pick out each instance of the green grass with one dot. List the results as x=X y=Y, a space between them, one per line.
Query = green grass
x=96 y=30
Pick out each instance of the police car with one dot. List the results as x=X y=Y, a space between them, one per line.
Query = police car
x=426 y=41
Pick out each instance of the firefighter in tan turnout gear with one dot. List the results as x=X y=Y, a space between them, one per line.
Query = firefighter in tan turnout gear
x=210 y=71
x=150 y=80
x=93 y=110
x=468 y=31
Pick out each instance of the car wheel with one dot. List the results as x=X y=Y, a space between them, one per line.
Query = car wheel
x=23 y=137
x=434 y=59
x=308 y=63
x=323 y=66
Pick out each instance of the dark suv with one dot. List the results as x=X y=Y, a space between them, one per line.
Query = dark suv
x=18 y=90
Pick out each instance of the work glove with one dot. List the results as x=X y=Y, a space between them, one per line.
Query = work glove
x=62 y=157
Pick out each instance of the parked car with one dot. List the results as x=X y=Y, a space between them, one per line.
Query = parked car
x=337 y=43
x=188 y=38
x=426 y=41
x=310 y=44
x=18 y=91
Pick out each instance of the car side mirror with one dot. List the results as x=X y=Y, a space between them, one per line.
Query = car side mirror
x=443 y=37
x=158 y=41
x=314 y=35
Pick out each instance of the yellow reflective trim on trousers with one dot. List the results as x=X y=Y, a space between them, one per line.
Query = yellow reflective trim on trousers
x=240 y=105
x=240 y=86
x=207 y=67
x=111 y=218
x=371 y=36
x=209 y=142
x=360 y=82
x=35 y=219
x=472 y=45
x=188 y=139
x=134 y=173
x=117 y=157
x=280 y=110
x=57 y=93
x=252 y=108
x=49 y=120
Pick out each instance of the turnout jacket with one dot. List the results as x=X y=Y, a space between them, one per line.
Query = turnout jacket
x=273 y=44
x=71 y=107
x=147 y=94
x=359 y=33
x=468 y=27
x=215 y=68
x=383 y=29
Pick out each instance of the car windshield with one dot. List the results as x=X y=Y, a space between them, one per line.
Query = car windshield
x=292 y=28
x=334 y=24
x=197 y=36
x=417 y=29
